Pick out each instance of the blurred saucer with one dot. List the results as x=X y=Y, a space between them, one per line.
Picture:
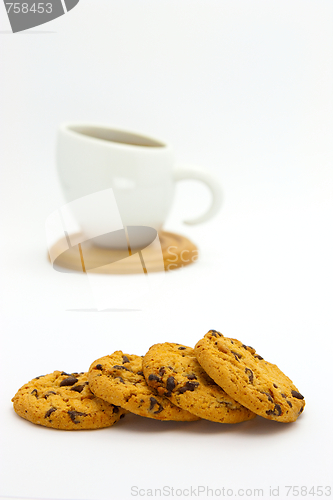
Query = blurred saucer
x=174 y=251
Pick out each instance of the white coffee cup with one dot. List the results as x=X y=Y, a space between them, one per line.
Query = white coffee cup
x=141 y=171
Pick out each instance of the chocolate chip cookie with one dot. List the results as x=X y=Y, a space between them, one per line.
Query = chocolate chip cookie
x=246 y=376
x=173 y=371
x=64 y=401
x=119 y=379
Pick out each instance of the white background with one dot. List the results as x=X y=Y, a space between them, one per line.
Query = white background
x=245 y=89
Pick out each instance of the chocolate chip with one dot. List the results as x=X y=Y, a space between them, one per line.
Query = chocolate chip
x=121 y=380
x=125 y=359
x=161 y=371
x=115 y=409
x=73 y=414
x=39 y=376
x=244 y=346
x=140 y=373
x=290 y=404
x=181 y=348
x=277 y=411
x=49 y=394
x=154 y=378
x=78 y=388
x=191 y=376
x=297 y=395
x=68 y=381
x=154 y=402
x=237 y=356
x=189 y=386
x=215 y=331
x=274 y=385
x=159 y=409
x=34 y=392
x=258 y=357
x=249 y=374
x=119 y=367
x=214 y=334
x=98 y=367
x=48 y=413
x=232 y=341
x=170 y=384
x=283 y=395
x=301 y=410
x=270 y=399
x=64 y=373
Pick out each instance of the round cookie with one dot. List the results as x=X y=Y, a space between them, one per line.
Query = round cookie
x=173 y=370
x=64 y=401
x=255 y=383
x=119 y=379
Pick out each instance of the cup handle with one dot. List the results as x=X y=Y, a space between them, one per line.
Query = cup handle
x=183 y=172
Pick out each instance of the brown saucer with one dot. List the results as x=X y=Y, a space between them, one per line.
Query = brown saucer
x=177 y=251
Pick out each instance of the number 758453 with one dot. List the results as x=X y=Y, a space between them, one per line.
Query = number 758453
x=24 y=8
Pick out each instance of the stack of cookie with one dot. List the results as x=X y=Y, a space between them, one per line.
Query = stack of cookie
x=221 y=380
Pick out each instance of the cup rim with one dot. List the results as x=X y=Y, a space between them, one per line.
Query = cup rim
x=156 y=144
